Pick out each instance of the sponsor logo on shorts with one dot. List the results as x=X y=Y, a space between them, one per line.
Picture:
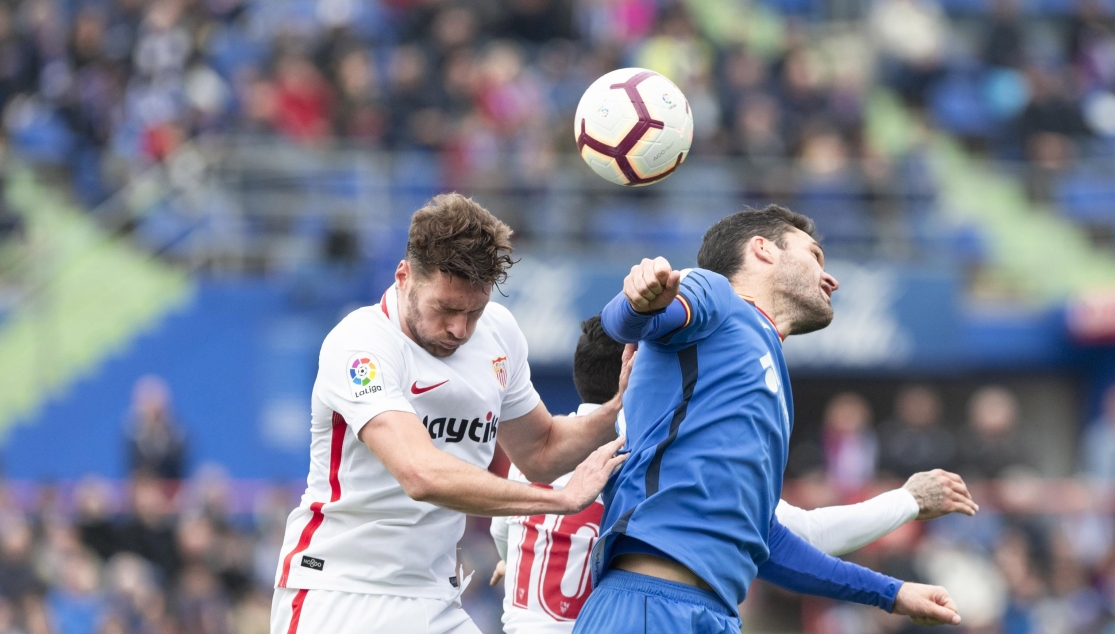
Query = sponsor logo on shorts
x=313 y=563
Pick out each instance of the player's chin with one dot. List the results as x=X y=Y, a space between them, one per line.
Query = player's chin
x=442 y=349
x=817 y=317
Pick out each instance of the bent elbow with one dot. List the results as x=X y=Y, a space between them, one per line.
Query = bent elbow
x=417 y=486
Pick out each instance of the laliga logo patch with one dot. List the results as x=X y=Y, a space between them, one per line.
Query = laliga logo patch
x=666 y=100
x=363 y=377
x=603 y=112
x=362 y=371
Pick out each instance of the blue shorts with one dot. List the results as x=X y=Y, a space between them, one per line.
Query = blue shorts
x=630 y=603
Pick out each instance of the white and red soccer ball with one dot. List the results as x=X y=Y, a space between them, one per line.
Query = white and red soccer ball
x=633 y=127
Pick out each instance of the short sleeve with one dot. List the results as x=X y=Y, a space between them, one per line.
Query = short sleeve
x=361 y=380
x=707 y=299
x=519 y=397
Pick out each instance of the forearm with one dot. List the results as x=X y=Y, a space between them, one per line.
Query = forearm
x=456 y=485
x=570 y=440
x=837 y=530
x=625 y=325
x=797 y=566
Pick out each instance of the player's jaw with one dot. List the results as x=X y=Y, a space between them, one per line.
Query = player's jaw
x=805 y=287
x=441 y=312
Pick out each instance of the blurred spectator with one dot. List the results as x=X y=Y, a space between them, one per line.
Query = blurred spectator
x=1004 y=42
x=916 y=439
x=992 y=447
x=18 y=581
x=150 y=531
x=155 y=444
x=76 y=605
x=93 y=521
x=849 y=443
x=1097 y=444
x=911 y=35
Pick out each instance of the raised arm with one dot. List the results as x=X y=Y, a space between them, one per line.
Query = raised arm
x=837 y=530
x=797 y=566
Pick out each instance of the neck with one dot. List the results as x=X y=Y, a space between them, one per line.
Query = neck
x=764 y=300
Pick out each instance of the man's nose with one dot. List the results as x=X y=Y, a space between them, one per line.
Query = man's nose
x=831 y=281
x=458 y=326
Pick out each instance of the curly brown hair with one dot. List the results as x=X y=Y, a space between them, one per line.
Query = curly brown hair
x=455 y=235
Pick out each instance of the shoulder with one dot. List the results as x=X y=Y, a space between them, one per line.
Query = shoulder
x=498 y=316
x=364 y=329
x=499 y=321
x=707 y=280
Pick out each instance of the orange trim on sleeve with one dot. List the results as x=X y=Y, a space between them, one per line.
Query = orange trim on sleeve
x=688 y=311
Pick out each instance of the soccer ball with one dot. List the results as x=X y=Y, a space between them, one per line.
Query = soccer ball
x=633 y=127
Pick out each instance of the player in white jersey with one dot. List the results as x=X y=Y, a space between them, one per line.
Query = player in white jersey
x=410 y=398
x=545 y=557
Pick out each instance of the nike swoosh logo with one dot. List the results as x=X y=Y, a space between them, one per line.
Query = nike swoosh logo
x=414 y=389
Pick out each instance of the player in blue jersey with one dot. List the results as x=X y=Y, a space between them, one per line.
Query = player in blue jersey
x=689 y=520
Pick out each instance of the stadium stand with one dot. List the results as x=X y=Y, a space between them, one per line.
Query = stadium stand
x=157 y=154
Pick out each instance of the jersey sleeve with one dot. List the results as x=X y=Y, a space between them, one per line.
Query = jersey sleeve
x=838 y=530
x=519 y=396
x=707 y=298
x=703 y=300
x=797 y=566
x=363 y=379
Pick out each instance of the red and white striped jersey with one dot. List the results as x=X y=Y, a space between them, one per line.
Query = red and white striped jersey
x=356 y=530
x=548 y=577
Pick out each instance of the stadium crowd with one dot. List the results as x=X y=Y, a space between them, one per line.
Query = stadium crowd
x=159 y=554
x=109 y=86
x=106 y=88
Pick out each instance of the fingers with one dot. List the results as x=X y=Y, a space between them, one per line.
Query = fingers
x=614 y=463
x=629 y=351
x=673 y=282
x=647 y=280
x=610 y=449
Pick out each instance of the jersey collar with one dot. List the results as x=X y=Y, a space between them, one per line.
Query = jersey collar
x=389 y=305
x=751 y=300
x=587 y=408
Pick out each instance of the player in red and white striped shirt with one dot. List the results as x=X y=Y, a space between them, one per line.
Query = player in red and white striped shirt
x=545 y=557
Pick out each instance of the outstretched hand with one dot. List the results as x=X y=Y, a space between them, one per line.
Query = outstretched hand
x=591 y=475
x=651 y=285
x=926 y=605
x=938 y=493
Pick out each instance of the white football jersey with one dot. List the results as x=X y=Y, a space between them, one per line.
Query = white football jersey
x=548 y=577
x=356 y=530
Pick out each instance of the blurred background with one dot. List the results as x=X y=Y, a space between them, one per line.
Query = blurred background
x=195 y=191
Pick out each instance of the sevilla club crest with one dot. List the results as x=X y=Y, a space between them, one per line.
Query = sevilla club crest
x=499 y=367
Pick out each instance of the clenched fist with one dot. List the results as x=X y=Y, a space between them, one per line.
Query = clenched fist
x=651 y=285
x=938 y=493
x=926 y=605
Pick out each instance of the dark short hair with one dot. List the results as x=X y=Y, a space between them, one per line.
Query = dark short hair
x=455 y=235
x=722 y=248
x=596 y=363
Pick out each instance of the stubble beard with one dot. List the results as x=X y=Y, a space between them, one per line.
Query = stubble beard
x=806 y=303
x=424 y=343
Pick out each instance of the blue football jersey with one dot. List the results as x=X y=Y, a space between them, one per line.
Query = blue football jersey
x=709 y=415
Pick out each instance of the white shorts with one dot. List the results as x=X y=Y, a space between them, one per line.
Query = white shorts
x=520 y=621
x=327 y=612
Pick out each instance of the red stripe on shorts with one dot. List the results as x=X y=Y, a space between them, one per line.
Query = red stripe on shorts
x=336 y=447
x=296 y=611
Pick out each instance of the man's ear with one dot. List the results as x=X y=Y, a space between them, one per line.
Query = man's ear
x=402 y=274
x=761 y=249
